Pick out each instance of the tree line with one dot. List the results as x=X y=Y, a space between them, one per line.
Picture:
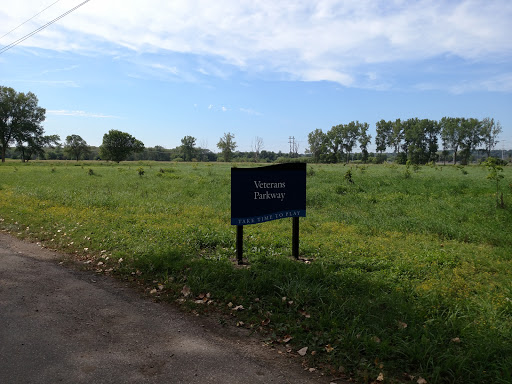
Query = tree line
x=22 y=136
x=415 y=140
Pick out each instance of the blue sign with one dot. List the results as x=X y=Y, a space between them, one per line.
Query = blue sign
x=268 y=193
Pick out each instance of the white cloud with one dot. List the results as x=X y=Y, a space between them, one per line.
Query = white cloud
x=307 y=40
x=165 y=68
x=57 y=70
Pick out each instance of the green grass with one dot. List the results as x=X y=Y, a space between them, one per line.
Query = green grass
x=407 y=271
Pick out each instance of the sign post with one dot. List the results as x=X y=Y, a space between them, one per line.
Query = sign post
x=268 y=193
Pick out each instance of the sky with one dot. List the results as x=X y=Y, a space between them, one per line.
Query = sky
x=161 y=70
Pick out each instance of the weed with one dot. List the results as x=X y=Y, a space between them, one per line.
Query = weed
x=462 y=169
x=348 y=176
x=495 y=174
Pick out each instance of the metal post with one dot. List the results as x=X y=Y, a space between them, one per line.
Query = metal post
x=295 y=237
x=239 y=243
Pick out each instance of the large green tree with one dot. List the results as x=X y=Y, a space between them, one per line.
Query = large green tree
x=76 y=147
x=20 y=119
x=451 y=134
x=187 y=147
x=472 y=137
x=317 y=144
x=384 y=131
x=227 y=146
x=117 y=146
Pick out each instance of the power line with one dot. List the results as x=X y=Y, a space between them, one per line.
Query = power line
x=7 y=47
x=12 y=30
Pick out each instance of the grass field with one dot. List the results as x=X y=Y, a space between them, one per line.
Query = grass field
x=408 y=272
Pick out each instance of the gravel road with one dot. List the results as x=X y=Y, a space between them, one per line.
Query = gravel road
x=61 y=325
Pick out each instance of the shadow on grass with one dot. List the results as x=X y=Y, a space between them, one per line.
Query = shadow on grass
x=362 y=319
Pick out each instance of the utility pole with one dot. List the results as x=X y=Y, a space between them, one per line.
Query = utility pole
x=291 y=141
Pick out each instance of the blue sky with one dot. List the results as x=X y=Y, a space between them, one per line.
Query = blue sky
x=162 y=70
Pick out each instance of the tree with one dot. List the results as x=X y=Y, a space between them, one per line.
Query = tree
x=384 y=131
x=34 y=145
x=20 y=119
x=257 y=146
x=350 y=134
x=490 y=132
x=76 y=147
x=396 y=136
x=117 y=145
x=317 y=144
x=364 y=140
x=451 y=134
x=227 y=146
x=471 y=137
x=333 y=142
x=187 y=147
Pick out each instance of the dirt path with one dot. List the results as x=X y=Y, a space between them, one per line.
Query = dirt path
x=62 y=325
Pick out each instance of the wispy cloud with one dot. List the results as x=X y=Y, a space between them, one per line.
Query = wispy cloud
x=173 y=70
x=306 y=40
x=250 y=111
x=51 y=83
x=64 y=112
x=57 y=70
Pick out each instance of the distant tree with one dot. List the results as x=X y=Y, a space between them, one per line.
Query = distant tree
x=364 y=141
x=471 y=137
x=397 y=135
x=117 y=145
x=34 y=145
x=384 y=131
x=420 y=140
x=350 y=136
x=333 y=141
x=187 y=147
x=432 y=130
x=257 y=146
x=317 y=144
x=490 y=133
x=451 y=134
x=20 y=119
x=76 y=147
x=55 y=152
x=444 y=155
x=161 y=153
x=227 y=146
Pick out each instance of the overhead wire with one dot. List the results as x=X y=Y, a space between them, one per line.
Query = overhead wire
x=20 y=40
x=25 y=22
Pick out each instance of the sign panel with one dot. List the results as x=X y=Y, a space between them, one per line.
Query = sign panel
x=268 y=193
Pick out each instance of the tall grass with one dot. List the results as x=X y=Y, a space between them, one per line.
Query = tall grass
x=407 y=271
